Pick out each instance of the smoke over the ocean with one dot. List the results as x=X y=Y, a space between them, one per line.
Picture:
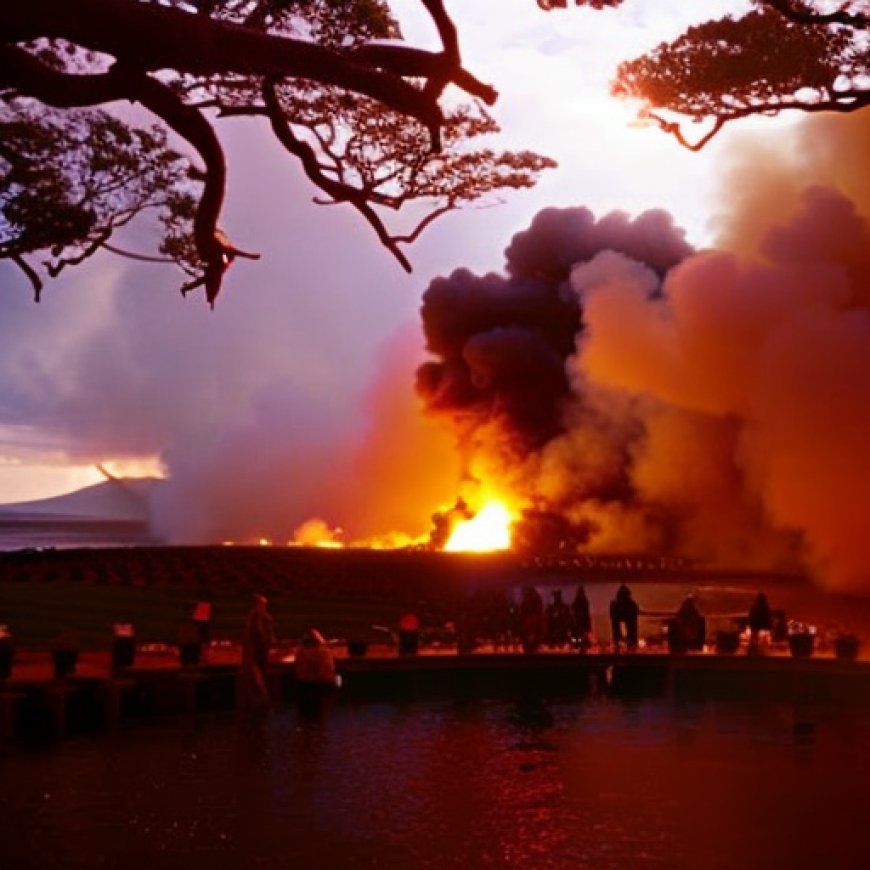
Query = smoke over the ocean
x=713 y=404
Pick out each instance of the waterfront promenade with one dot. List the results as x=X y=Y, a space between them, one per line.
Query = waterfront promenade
x=34 y=703
x=348 y=595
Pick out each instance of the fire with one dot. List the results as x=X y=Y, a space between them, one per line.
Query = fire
x=316 y=532
x=489 y=529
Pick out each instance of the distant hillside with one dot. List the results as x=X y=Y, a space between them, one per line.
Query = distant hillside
x=121 y=500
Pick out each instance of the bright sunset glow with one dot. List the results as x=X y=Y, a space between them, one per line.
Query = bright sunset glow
x=488 y=529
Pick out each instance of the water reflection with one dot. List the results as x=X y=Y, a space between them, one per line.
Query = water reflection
x=602 y=783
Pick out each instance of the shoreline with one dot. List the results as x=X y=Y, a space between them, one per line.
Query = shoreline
x=96 y=698
x=360 y=596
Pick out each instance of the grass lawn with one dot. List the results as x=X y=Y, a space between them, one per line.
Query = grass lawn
x=35 y=613
x=87 y=591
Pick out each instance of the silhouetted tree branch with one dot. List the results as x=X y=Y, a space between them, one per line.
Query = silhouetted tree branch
x=178 y=59
x=784 y=55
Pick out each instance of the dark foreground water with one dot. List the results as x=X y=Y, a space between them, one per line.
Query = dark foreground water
x=598 y=784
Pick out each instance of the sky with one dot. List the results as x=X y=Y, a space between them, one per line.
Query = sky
x=325 y=298
x=293 y=402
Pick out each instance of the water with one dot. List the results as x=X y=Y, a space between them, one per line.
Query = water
x=598 y=783
x=24 y=531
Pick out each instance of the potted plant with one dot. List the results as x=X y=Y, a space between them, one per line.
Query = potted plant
x=7 y=652
x=357 y=648
x=65 y=653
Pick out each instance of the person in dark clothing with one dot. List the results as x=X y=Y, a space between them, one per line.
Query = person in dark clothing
x=581 y=617
x=624 y=613
x=257 y=639
x=531 y=619
x=558 y=619
x=690 y=624
x=316 y=677
x=760 y=618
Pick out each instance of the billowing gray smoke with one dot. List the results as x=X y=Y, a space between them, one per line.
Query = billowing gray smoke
x=632 y=394
x=503 y=381
x=502 y=342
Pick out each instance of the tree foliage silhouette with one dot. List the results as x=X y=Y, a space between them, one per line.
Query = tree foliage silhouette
x=809 y=55
x=369 y=118
x=363 y=113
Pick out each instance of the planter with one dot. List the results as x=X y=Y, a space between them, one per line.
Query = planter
x=409 y=642
x=727 y=642
x=123 y=652
x=64 y=661
x=846 y=647
x=357 y=648
x=801 y=645
x=676 y=638
x=190 y=653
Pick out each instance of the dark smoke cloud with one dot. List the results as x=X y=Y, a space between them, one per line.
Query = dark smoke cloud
x=711 y=404
x=531 y=377
x=559 y=238
x=502 y=344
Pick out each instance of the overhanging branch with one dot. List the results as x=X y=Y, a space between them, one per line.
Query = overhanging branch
x=337 y=190
x=31 y=77
x=151 y=37
x=844 y=103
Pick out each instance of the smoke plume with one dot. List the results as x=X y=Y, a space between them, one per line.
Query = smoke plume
x=711 y=404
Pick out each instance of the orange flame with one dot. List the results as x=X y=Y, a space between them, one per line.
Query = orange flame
x=489 y=529
x=315 y=532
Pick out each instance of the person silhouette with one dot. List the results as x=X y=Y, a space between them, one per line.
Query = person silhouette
x=316 y=677
x=581 y=618
x=531 y=619
x=690 y=624
x=558 y=620
x=257 y=639
x=624 y=613
x=760 y=618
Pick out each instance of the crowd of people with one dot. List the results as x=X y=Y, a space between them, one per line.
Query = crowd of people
x=528 y=624
x=492 y=617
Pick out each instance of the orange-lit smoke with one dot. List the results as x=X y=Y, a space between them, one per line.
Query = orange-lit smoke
x=273 y=475
x=402 y=466
x=637 y=395
x=765 y=344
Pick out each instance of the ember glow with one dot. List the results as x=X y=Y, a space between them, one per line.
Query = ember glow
x=489 y=529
